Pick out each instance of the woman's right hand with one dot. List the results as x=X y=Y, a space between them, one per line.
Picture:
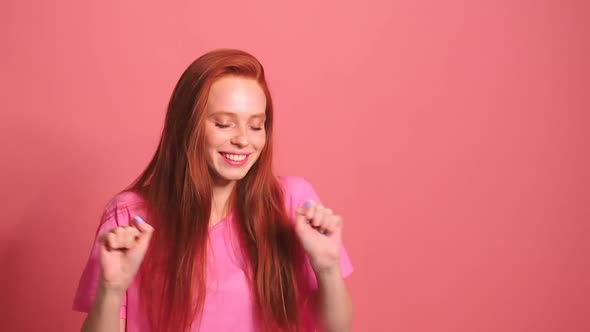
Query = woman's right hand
x=121 y=252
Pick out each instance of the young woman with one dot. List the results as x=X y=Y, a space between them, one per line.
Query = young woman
x=208 y=238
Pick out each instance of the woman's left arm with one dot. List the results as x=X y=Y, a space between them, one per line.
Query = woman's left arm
x=320 y=233
x=333 y=303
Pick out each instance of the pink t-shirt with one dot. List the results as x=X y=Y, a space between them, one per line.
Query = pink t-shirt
x=229 y=303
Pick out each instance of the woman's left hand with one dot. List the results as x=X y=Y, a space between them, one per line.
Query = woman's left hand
x=320 y=233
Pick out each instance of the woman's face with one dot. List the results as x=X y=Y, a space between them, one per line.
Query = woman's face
x=234 y=132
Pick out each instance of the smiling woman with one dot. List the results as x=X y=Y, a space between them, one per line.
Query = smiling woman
x=208 y=238
x=235 y=131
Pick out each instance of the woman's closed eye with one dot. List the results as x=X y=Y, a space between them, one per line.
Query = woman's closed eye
x=257 y=125
x=227 y=125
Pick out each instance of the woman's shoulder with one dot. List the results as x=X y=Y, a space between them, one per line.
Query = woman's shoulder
x=293 y=184
x=124 y=206
x=297 y=191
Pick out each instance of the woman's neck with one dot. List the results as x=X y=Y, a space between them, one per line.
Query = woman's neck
x=220 y=201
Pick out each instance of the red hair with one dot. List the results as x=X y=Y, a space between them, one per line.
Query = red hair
x=177 y=185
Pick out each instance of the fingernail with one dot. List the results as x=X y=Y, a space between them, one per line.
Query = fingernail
x=139 y=219
x=308 y=204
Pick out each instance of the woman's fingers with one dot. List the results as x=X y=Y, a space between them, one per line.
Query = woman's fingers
x=319 y=217
x=120 y=238
x=145 y=230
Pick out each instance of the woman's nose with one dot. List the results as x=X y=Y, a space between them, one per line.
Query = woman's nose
x=240 y=140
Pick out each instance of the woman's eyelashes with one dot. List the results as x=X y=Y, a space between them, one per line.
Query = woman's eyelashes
x=227 y=125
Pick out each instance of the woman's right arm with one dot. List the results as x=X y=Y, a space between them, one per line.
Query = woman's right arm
x=104 y=315
x=121 y=252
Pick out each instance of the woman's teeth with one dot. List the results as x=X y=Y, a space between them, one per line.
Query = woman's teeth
x=235 y=157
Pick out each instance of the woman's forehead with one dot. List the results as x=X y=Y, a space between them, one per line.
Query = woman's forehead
x=236 y=96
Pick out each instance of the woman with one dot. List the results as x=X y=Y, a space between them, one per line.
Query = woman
x=207 y=238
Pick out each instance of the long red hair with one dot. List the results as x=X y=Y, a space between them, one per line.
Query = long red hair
x=177 y=186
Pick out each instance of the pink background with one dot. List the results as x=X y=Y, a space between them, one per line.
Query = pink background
x=452 y=135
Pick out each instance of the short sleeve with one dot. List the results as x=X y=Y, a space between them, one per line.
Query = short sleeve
x=88 y=284
x=297 y=192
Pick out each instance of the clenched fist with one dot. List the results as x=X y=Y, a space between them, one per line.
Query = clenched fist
x=320 y=233
x=121 y=252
